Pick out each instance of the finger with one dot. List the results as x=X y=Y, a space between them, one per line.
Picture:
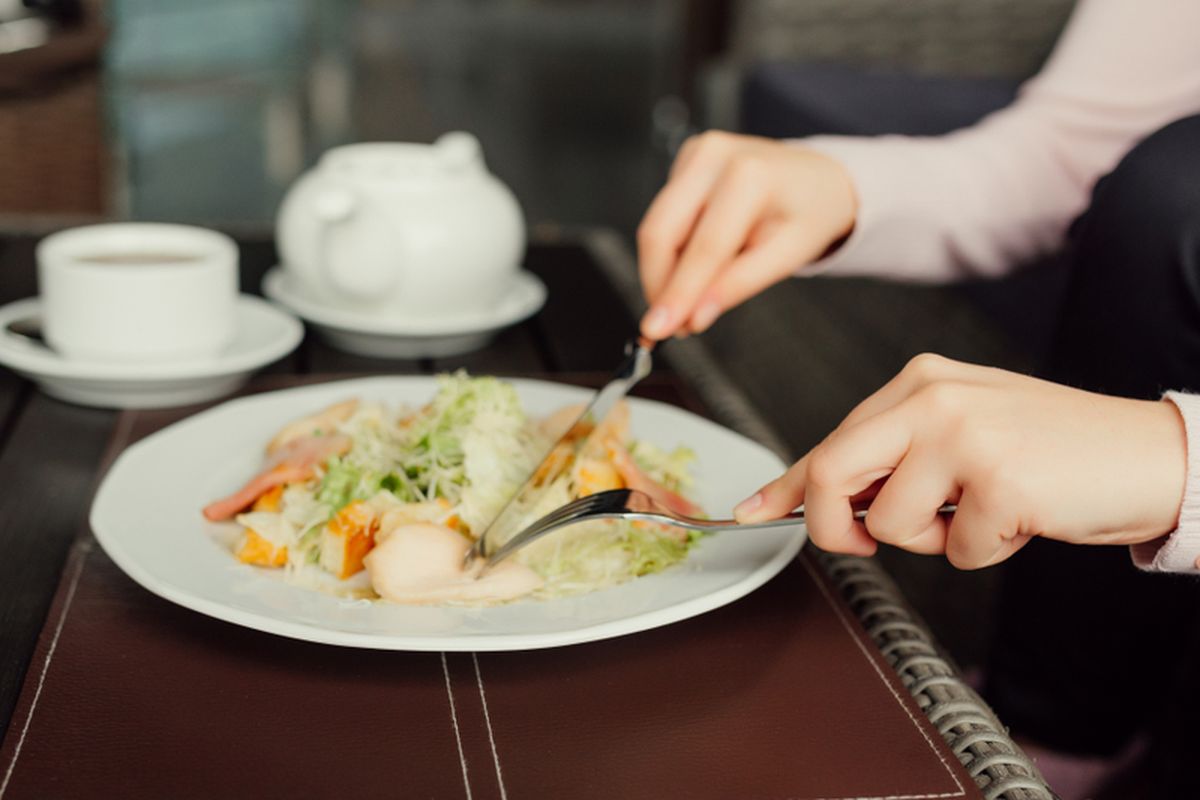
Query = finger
x=776 y=498
x=864 y=498
x=786 y=493
x=1009 y=547
x=672 y=214
x=848 y=462
x=929 y=542
x=853 y=540
x=981 y=532
x=660 y=236
x=905 y=511
x=761 y=265
x=920 y=371
x=732 y=212
x=687 y=152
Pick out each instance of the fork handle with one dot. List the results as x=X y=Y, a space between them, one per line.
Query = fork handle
x=860 y=513
x=861 y=507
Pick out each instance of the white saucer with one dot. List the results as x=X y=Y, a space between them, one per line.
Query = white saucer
x=264 y=334
x=400 y=336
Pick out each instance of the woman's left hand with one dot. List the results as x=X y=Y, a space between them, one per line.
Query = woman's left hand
x=1020 y=457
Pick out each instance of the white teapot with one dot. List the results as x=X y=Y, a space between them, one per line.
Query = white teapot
x=415 y=229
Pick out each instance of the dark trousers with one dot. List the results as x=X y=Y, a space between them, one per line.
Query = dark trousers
x=1089 y=650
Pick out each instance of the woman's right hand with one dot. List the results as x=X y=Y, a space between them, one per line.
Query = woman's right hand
x=737 y=214
x=1020 y=457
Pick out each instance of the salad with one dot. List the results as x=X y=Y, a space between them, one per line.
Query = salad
x=366 y=501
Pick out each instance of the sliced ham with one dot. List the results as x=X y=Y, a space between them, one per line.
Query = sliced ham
x=320 y=424
x=557 y=425
x=639 y=481
x=310 y=451
x=295 y=462
x=614 y=428
x=260 y=484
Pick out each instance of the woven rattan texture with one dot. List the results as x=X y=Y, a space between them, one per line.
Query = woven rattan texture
x=53 y=146
x=979 y=740
x=974 y=734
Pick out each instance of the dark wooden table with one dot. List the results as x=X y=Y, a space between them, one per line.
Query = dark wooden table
x=49 y=449
x=50 y=453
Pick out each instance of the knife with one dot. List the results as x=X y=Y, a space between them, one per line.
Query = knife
x=636 y=366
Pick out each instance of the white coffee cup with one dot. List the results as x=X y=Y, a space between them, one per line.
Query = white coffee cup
x=138 y=292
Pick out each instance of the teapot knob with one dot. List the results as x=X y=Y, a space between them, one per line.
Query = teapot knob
x=334 y=205
x=458 y=151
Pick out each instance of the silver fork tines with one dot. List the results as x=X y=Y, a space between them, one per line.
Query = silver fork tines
x=630 y=504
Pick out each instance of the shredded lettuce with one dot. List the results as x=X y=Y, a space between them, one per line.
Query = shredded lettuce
x=344 y=482
x=339 y=484
x=471 y=448
x=596 y=555
x=652 y=550
x=474 y=447
x=670 y=469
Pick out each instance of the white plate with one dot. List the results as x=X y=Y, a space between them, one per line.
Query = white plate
x=406 y=336
x=146 y=515
x=264 y=334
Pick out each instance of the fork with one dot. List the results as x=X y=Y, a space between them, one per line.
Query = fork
x=631 y=504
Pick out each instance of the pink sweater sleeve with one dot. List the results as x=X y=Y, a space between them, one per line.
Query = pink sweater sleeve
x=1180 y=551
x=984 y=199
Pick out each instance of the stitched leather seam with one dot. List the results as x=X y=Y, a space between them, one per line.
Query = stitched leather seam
x=37 y=694
x=120 y=440
x=487 y=718
x=804 y=559
x=462 y=758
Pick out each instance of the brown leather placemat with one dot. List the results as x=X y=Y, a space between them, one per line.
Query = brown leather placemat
x=779 y=695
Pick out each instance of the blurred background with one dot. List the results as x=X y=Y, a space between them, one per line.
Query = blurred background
x=156 y=109
x=205 y=112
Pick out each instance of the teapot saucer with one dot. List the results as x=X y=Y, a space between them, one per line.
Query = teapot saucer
x=263 y=334
x=401 y=336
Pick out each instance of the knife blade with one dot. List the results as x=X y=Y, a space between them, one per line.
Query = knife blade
x=636 y=365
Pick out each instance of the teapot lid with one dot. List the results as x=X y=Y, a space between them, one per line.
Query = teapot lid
x=454 y=154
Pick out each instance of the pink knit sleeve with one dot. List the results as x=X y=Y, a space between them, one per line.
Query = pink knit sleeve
x=1180 y=550
x=982 y=200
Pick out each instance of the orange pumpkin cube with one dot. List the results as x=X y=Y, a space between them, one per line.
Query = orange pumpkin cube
x=256 y=549
x=347 y=539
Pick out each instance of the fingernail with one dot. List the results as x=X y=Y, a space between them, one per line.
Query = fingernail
x=748 y=506
x=705 y=316
x=656 y=322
